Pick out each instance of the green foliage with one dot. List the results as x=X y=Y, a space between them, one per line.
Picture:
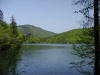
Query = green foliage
x=71 y=36
x=4 y=24
x=9 y=47
x=4 y=37
x=33 y=40
x=1 y=15
x=87 y=36
x=34 y=31
x=86 y=52
x=13 y=27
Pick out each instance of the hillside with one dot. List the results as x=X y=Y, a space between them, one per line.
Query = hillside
x=71 y=36
x=35 y=31
x=39 y=35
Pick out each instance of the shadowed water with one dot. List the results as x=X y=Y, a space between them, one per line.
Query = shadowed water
x=47 y=59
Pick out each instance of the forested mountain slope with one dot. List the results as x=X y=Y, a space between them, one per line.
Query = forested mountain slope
x=39 y=35
x=35 y=31
x=72 y=36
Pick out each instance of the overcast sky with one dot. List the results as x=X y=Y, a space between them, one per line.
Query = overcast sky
x=52 y=15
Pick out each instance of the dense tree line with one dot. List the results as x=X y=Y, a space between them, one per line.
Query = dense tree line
x=10 y=43
x=72 y=37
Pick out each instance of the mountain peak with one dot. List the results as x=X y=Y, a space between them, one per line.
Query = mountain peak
x=35 y=31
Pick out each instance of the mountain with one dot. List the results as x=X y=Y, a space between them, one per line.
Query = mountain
x=34 y=31
x=40 y=35
x=71 y=36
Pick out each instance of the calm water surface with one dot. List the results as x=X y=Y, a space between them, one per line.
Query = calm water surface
x=47 y=59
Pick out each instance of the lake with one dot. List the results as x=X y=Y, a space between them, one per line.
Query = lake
x=47 y=59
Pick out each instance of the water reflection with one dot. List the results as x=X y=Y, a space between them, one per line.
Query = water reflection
x=47 y=60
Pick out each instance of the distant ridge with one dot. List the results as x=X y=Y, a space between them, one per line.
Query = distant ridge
x=35 y=31
x=71 y=36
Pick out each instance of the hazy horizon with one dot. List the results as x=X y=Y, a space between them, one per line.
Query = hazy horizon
x=52 y=15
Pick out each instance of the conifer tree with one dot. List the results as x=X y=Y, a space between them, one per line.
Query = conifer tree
x=1 y=15
x=13 y=26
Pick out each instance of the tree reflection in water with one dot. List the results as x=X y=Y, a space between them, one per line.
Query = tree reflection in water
x=86 y=52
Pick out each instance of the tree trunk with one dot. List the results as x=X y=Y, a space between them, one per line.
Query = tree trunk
x=96 y=36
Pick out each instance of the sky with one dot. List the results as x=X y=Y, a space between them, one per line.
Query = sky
x=53 y=15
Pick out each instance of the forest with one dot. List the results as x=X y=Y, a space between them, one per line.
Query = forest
x=39 y=35
x=12 y=37
x=85 y=41
x=10 y=42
